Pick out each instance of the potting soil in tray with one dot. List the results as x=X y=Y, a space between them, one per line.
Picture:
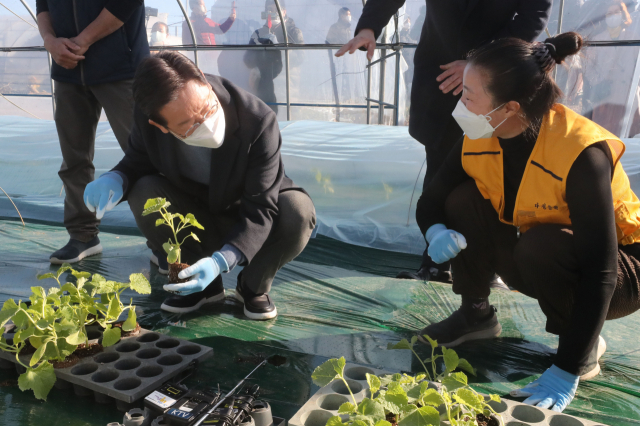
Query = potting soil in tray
x=132 y=368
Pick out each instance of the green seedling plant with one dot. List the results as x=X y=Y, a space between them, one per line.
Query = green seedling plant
x=172 y=247
x=411 y=400
x=55 y=321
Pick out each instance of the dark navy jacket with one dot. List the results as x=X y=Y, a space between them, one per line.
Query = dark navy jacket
x=115 y=57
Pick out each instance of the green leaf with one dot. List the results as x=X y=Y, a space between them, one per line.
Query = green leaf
x=68 y=287
x=494 y=397
x=451 y=359
x=37 y=293
x=346 y=408
x=130 y=323
x=433 y=343
x=374 y=383
x=9 y=309
x=81 y=274
x=335 y=421
x=386 y=379
x=415 y=391
x=195 y=237
x=431 y=397
x=45 y=276
x=191 y=220
x=362 y=421
x=173 y=253
x=328 y=371
x=64 y=268
x=455 y=381
x=469 y=398
x=463 y=364
x=37 y=355
x=140 y=284
x=394 y=388
x=39 y=379
x=111 y=336
x=383 y=423
x=114 y=309
x=420 y=377
x=393 y=403
x=369 y=407
x=25 y=333
x=402 y=344
x=76 y=338
x=424 y=416
x=154 y=205
x=407 y=409
x=159 y=222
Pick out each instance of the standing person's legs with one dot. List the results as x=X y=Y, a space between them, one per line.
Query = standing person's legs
x=289 y=236
x=76 y=117
x=436 y=155
x=117 y=100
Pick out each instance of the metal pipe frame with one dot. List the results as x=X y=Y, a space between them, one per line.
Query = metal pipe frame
x=49 y=61
x=193 y=34
x=561 y=12
x=283 y=24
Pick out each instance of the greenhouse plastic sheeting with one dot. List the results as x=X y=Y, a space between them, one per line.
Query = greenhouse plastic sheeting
x=324 y=311
x=364 y=180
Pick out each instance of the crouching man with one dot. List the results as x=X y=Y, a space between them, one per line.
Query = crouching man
x=213 y=150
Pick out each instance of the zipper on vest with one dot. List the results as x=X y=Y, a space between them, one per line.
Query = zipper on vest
x=75 y=18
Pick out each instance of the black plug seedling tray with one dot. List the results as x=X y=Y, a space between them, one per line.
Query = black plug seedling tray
x=130 y=369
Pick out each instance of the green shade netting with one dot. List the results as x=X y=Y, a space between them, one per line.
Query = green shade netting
x=334 y=300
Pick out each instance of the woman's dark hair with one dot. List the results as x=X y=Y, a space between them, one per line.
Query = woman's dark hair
x=159 y=79
x=516 y=70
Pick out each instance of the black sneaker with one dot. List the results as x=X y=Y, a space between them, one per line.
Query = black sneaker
x=457 y=329
x=192 y=302
x=159 y=258
x=75 y=251
x=256 y=306
x=497 y=283
x=426 y=273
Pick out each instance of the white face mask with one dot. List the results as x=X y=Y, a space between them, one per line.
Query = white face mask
x=347 y=18
x=210 y=134
x=614 y=21
x=473 y=125
x=158 y=37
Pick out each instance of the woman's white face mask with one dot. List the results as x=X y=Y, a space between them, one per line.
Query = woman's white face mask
x=475 y=126
x=158 y=37
x=209 y=134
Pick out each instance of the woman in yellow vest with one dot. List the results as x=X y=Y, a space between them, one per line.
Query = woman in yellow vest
x=535 y=193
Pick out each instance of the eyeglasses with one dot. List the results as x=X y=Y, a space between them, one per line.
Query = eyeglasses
x=208 y=114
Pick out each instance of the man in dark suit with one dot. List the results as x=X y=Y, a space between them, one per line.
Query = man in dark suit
x=213 y=150
x=452 y=28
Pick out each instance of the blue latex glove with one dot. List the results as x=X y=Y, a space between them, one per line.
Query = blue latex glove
x=103 y=194
x=554 y=388
x=444 y=244
x=203 y=272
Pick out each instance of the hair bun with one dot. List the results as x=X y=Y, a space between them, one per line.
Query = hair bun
x=563 y=45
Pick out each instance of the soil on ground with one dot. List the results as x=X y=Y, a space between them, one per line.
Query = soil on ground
x=174 y=270
x=84 y=351
x=487 y=421
x=8 y=383
x=27 y=349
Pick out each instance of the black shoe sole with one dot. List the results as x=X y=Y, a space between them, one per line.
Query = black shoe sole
x=489 y=333
x=178 y=310
x=92 y=251
x=253 y=315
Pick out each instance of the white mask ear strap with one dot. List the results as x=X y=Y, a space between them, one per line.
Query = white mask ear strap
x=491 y=112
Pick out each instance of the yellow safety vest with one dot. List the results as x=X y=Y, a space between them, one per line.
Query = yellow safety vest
x=542 y=196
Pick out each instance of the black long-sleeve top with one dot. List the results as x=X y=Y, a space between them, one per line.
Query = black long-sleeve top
x=592 y=217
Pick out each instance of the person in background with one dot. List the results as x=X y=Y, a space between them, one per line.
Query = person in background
x=340 y=32
x=536 y=193
x=159 y=34
x=96 y=47
x=405 y=32
x=451 y=29
x=213 y=150
x=608 y=72
x=204 y=28
x=266 y=65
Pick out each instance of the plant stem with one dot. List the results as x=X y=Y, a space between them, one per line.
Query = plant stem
x=351 y=393
x=423 y=366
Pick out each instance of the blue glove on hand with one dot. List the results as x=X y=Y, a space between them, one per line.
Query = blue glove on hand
x=203 y=272
x=554 y=388
x=444 y=244
x=103 y=194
